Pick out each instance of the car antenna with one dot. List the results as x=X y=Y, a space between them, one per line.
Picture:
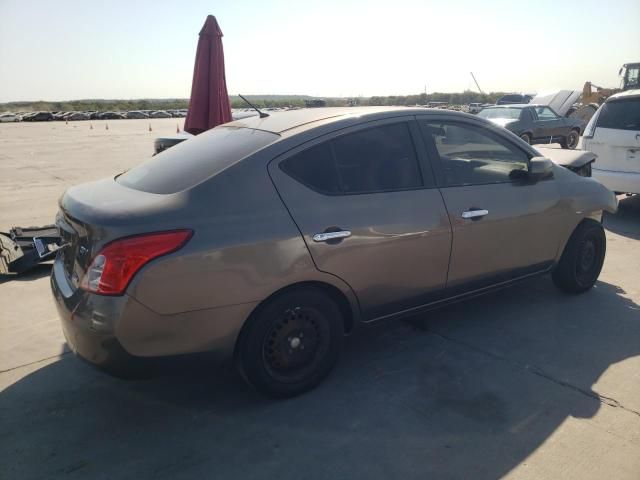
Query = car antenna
x=262 y=114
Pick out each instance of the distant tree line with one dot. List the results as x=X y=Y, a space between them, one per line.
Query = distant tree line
x=261 y=101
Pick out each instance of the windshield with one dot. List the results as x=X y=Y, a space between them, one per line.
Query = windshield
x=632 y=77
x=195 y=160
x=511 y=113
x=620 y=114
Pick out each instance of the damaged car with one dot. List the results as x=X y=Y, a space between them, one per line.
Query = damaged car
x=268 y=239
x=536 y=124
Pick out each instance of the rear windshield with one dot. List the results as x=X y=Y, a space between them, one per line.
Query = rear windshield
x=620 y=114
x=196 y=159
x=513 y=113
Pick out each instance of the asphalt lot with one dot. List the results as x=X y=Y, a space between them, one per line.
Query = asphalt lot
x=526 y=383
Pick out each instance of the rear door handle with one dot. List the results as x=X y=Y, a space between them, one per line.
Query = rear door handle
x=326 y=236
x=475 y=213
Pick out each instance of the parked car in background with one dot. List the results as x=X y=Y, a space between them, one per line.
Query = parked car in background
x=266 y=240
x=38 y=117
x=514 y=98
x=613 y=134
x=137 y=114
x=111 y=116
x=159 y=114
x=475 y=107
x=9 y=117
x=536 y=124
x=78 y=116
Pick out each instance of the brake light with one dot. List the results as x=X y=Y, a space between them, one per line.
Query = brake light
x=590 y=129
x=115 y=265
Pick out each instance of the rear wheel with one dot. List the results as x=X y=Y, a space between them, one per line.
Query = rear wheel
x=292 y=343
x=571 y=140
x=582 y=259
x=526 y=137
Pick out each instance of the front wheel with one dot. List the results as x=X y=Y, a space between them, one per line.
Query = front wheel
x=292 y=343
x=582 y=259
x=571 y=140
x=526 y=137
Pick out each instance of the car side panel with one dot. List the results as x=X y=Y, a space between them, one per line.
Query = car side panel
x=398 y=252
x=245 y=247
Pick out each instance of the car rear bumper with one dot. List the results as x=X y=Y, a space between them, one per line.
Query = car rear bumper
x=115 y=331
x=622 y=182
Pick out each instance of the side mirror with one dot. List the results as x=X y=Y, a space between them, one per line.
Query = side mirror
x=539 y=168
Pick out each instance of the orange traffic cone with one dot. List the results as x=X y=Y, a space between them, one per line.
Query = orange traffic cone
x=177 y=128
x=150 y=128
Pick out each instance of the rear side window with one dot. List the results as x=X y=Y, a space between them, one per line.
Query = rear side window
x=193 y=161
x=378 y=159
x=620 y=114
x=316 y=168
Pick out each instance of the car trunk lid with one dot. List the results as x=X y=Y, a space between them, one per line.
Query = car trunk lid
x=93 y=214
x=617 y=150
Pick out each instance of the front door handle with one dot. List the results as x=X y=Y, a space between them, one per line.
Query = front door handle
x=475 y=214
x=327 y=236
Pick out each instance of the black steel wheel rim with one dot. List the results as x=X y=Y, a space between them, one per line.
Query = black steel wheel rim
x=587 y=262
x=295 y=344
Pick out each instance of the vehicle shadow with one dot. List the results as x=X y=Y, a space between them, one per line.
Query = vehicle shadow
x=37 y=272
x=626 y=221
x=469 y=391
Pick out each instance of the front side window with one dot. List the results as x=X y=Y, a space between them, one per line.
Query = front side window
x=545 y=113
x=378 y=159
x=472 y=156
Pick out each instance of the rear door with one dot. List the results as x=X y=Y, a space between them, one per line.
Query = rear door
x=370 y=213
x=504 y=226
x=616 y=140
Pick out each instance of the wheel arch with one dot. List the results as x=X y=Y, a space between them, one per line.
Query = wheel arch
x=526 y=132
x=350 y=311
x=563 y=246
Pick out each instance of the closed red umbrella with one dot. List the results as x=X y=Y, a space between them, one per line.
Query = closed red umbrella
x=209 y=103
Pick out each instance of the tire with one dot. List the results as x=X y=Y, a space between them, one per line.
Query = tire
x=582 y=259
x=571 y=141
x=526 y=137
x=270 y=353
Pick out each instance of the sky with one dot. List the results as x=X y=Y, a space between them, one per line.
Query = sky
x=82 y=49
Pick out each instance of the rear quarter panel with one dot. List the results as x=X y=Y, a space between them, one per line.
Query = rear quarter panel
x=245 y=247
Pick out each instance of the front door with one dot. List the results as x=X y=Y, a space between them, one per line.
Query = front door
x=547 y=125
x=503 y=224
x=370 y=213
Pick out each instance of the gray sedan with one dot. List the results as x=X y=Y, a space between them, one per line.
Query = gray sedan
x=536 y=124
x=267 y=240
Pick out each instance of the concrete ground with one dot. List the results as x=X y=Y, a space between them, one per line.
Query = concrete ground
x=526 y=383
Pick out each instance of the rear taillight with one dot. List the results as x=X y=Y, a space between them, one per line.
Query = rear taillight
x=590 y=129
x=115 y=265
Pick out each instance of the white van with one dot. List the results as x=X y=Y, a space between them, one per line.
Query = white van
x=613 y=134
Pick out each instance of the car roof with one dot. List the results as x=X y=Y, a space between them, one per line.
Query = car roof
x=622 y=95
x=279 y=122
